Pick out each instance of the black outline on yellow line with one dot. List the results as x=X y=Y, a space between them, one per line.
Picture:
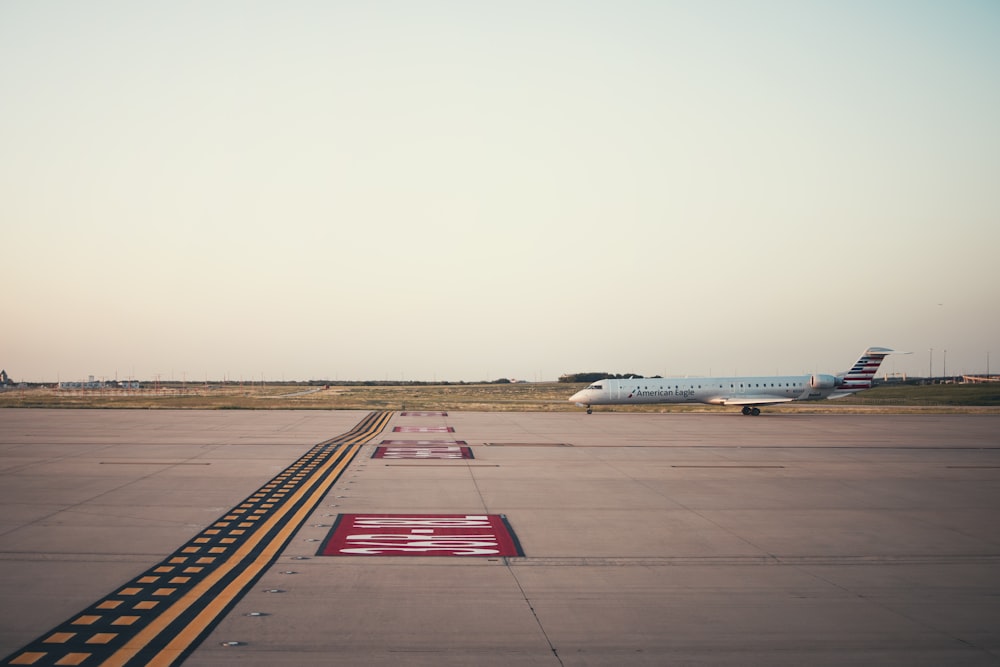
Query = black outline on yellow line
x=162 y=615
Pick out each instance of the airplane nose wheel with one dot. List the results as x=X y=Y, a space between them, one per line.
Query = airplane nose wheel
x=589 y=411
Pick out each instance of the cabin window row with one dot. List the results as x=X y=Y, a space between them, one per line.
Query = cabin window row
x=733 y=386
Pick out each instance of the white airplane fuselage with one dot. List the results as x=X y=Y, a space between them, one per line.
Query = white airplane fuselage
x=749 y=392
x=712 y=390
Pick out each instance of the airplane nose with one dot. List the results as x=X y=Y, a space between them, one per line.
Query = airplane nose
x=579 y=397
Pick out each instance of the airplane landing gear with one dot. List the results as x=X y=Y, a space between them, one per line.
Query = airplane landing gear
x=754 y=411
x=589 y=410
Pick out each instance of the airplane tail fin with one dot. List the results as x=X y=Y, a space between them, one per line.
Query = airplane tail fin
x=861 y=375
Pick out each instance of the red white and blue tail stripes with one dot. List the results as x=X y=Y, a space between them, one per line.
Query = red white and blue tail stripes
x=861 y=375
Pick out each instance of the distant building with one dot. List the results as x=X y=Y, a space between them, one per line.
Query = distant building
x=92 y=383
x=81 y=385
x=4 y=379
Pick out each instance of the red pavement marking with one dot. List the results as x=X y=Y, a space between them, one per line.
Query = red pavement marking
x=415 y=443
x=423 y=429
x=421 y=535
x=426 y=452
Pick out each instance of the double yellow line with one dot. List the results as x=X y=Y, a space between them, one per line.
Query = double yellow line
x=208 y=599
x=311 y=494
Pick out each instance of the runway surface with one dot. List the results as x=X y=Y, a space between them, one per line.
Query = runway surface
x=498 y=538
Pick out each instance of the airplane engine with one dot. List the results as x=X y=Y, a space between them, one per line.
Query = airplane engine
x=822 y=382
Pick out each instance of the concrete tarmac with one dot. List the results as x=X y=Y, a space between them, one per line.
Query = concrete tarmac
x=648 y=539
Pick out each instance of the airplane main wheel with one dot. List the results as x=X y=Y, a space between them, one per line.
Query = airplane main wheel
x=755 y=412
x=746 y=409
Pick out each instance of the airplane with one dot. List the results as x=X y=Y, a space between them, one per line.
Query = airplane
x=748 y=392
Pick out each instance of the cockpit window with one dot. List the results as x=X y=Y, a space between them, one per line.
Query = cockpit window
x=596 y=386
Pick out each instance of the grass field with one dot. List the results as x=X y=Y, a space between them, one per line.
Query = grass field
x=527 y=397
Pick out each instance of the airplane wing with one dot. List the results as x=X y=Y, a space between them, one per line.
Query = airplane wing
x=747 y=400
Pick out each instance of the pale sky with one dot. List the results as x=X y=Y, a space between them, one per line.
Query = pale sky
x=471 y=190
